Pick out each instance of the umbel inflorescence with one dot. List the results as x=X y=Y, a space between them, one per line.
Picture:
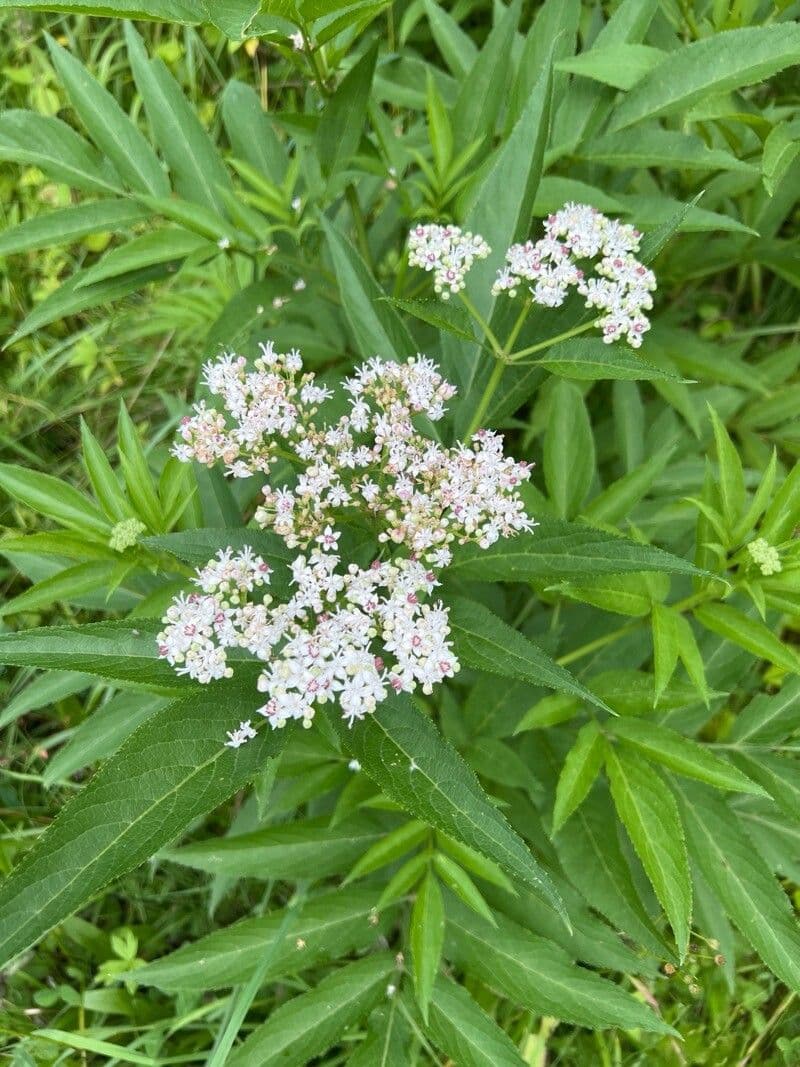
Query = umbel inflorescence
x=347 y=633
x=577 y=240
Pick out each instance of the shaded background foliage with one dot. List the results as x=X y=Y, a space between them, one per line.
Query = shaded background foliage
x=285 y=166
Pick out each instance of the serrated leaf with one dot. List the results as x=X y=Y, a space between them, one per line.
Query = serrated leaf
x=426 y=935
x=714 y=65
x=681 y=754
x=67 y=585
x=619 y=65
x=741 y=881
x=558 y=549
x=404 y=753
x=464 y=1031
x=657 y=147
x=250 y=131
x=649 y=813
x=307 y=1025
x=54 y=499
x=438 y=314
x=308 y=848
x=539 y=975
x=590 y=359
x=665 y=645
x=581 y=767
x=590 y=853
x=485 y=642
x=750 y=634
x=768 y=719
x=330 y=925
x=123 y=652
x=172 y=770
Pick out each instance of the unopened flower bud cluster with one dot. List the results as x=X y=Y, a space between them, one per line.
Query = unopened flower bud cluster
x=621 y=286
x=765 y=556
x=348 y=634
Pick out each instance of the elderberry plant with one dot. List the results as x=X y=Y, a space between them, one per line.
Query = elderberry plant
x=440 y=781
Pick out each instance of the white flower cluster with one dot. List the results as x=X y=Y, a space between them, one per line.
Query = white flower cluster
x=448 y=252
x=621 y=287
x=765 y=556
x=353 y=634
x=198 y=628
x=318 y=646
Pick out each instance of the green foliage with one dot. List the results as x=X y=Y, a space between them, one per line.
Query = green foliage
x=608 y=791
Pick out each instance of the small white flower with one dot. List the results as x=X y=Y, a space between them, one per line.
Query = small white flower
x=224 y=243
x=298 y=40
x=447 y=251
x=354 y=766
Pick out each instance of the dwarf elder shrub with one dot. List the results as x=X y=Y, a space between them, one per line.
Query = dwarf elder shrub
x=489 y=481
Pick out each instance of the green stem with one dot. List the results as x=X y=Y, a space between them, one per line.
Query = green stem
x=497 y=348
x=361 y=229
x=551 y=341
x=486 y=399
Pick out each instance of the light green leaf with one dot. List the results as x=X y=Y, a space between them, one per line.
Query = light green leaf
x=750 y=634
x=619 y=65
x=539 y=975
x=741 y=881
x=187 y=12
x=581 y=767
x=193 y=159
x=457 y=47
x=681 y=754
x=485 y=642
x=389 y=848
x=482 y=93
x=159 y=246
x=649 y=813
x=558 y=549
x=463 y=1030
x=714 y=65
x=67 y=586
x=304 y=849
x=54 y=499
x=404 y=753
x=70 y=299
x=375 y=325
x=426 y=935
x=108 y=125
x=768 y=719
x=250 y=131
x=665 y=645
x=657 y=147
x=590 y=853
x=136 y=471
x=233 y=17
x=781 y=148
x=331 y=924
x=779 y=775
x=569 y=460
x=731 y=476
x=65 y=225
x=101 y=733
x=43 y=691
x=53 y=146
x=172 y=770
x=307 y=1025
x=342 y=123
